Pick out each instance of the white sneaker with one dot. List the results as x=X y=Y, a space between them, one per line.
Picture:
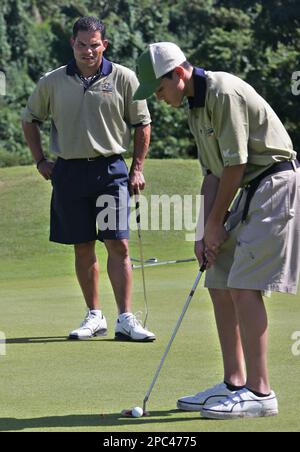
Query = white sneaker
x=242 y=404
x=93 y=325
x=211 y=395
x=130 y=329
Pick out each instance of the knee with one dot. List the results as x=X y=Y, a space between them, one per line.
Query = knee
x=244 y=296
x=117 y=248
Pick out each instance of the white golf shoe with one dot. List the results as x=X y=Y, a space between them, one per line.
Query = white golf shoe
x=241 y=404
x=93 y=325
x=128 y=328
x=211 y=395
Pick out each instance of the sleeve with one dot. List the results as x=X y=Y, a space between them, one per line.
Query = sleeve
x=38 y=105
x=231 y=127
x=205 y=171
x=136 y=112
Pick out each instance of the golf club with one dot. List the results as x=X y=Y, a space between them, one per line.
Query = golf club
x=151 y=259
x=157 y=263
x=129 y=413
x=139 y=229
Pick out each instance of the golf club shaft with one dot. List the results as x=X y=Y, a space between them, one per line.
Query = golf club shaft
x=157 y=264
x=138 y=222
x=189 y=298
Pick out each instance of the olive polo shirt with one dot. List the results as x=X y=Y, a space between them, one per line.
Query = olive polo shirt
x=233 y=125
x=88 y=119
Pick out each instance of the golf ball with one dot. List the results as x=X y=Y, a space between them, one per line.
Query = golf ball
x=137 y=412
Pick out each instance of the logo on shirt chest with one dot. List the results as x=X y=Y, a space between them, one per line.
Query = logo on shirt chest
x=207 y=131
x=106 y=88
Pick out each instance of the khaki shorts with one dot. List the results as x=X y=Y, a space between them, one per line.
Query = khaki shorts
x=264 y=252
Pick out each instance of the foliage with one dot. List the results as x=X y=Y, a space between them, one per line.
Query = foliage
x=258 y=41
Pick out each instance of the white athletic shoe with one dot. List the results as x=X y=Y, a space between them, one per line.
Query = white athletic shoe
x=242 y=404
x=93 y=325
x=130 y=329
x=211 y=395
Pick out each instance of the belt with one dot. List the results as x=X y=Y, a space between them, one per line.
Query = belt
x=87 y=159
x=254 y=184
x=91 y=159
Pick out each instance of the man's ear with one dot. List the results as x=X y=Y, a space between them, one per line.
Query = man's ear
x=105 y=43
x=72 y=41
x=179 y=71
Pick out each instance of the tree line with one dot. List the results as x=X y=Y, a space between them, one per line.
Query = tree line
x=256 y=40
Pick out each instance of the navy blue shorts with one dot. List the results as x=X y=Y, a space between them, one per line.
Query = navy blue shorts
x=90 y=200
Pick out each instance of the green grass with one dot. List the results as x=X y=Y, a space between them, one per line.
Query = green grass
x=51 y=384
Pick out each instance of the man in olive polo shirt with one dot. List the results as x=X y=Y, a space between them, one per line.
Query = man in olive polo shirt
x=92 y=112
x=256 y=249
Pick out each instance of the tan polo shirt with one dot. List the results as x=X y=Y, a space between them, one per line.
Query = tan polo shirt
x=88 y=122
x=237 y=126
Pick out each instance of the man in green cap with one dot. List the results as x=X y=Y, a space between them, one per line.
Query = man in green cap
x=242 y=144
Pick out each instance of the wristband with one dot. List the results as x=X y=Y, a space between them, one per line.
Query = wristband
x=43 y=159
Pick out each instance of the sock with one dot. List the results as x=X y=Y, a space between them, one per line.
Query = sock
x=96 y=312
x=232 y=387
x=259 y=394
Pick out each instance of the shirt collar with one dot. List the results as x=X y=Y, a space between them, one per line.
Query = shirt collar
x=199 y=78
x=104 y=69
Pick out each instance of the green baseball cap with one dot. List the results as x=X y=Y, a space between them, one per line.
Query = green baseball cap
x=159 y=59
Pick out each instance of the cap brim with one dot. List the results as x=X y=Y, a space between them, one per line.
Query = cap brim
x=146 y=90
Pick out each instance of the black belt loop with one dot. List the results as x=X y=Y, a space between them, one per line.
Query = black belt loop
x=254 y=184
x=251 y=189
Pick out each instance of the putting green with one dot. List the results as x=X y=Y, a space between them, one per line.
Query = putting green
x=51 y=384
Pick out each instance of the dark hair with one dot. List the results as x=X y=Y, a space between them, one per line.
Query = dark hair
x=88 y=23
x=185 y=65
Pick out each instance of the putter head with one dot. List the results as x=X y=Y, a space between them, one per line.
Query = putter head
x=152 y=259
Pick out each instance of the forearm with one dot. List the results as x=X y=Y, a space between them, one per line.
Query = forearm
x=229 y=184
x=215 y=233
x=33 y=139
x=209 y=192
x=141 y=147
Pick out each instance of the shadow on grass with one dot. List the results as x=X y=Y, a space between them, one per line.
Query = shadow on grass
x=36 y=340
x=46 y=340
x=93 y=420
